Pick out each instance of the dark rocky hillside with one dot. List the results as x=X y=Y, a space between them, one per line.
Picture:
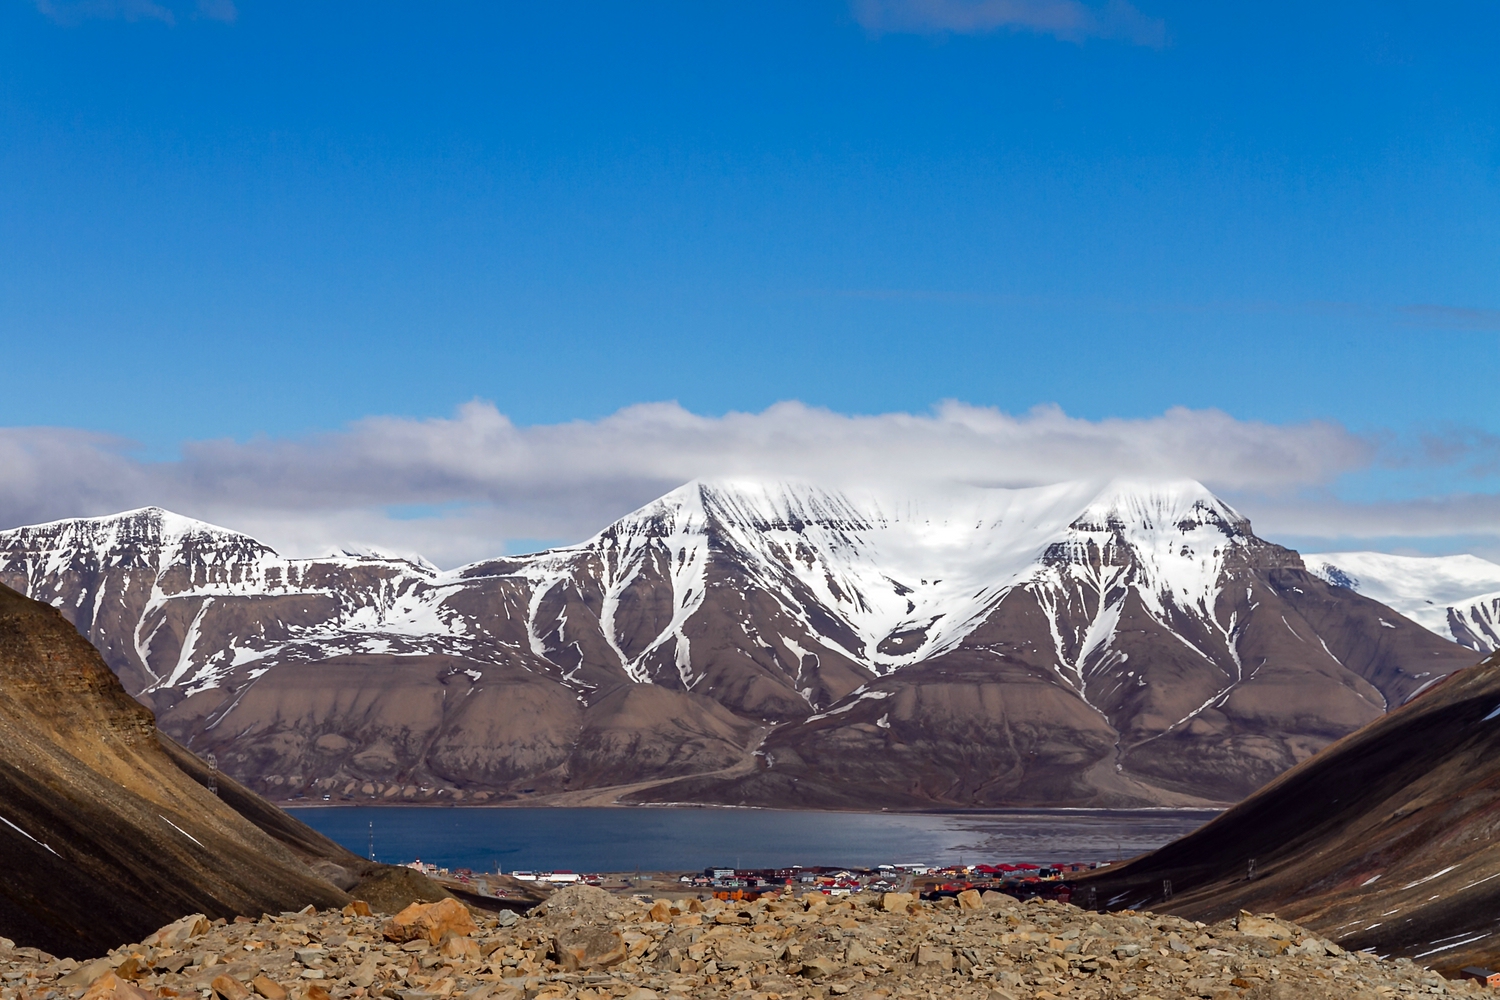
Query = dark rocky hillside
x=106 y=831
x=1385 y=840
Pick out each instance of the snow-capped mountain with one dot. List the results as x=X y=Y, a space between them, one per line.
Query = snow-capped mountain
x=771 y=642
x=1458 y=597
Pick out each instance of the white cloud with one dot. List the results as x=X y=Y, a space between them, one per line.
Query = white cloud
x=69 y=12
x=463 y=487
x=1325 y=522
x=1070 y=20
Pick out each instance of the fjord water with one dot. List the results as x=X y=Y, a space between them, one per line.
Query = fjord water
x=684 y=839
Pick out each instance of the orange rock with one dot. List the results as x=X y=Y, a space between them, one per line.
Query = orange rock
x=661 y=912
x=229 y=988
x=429 y=921
x=315 y=992
x=104 y=986
x=268 y=987
x=111 y=987
x=132 y=968
x=969 y=900
x=358 y=908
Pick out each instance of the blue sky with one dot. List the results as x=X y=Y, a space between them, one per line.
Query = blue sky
x=265 y=222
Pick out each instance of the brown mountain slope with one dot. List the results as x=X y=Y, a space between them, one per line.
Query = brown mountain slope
x=1385 y=840
x=994 y=722
x=103 y=834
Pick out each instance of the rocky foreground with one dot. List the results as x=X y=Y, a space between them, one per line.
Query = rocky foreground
x=585 y=943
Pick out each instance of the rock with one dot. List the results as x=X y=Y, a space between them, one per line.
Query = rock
x=132 y=968
x=229 y=988
x=315 y=992
x=931 y=954
x=86 y=973
x=1201 y=987
x=430 y=922
x=363 y=977
x=588 y=947
x=969 y=899
x=179 y=932
x=358 y=908
x=660 y=912
x=1274 y=991
x=896 y=902
x=641 y=993
x=585 y=903
x=819 y=967
x=269 y=988
x=1260 y=927
x=744 y=953
x=111 y=987
x=462 y=949
x=506 y=918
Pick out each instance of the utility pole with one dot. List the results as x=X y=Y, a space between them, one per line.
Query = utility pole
x=213 y=773
x=372 y=840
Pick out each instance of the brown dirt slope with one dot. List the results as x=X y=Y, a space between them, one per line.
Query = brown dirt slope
x=105 y=836
x=1385 y=840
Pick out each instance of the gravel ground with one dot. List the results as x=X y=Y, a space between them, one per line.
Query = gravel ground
x=586 y=944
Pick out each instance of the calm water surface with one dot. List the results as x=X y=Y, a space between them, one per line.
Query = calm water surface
x=683 y=839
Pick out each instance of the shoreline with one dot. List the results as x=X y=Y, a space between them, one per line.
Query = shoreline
x=1001 y=811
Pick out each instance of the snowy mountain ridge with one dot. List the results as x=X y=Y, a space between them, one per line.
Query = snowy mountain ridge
x=1132 y=642
x=904 y=579
x=1457 y=597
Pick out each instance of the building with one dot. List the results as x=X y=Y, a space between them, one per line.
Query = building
x=1484 y=976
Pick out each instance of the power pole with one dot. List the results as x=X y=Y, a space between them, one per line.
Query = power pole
x=372 y=840
x=213 y=773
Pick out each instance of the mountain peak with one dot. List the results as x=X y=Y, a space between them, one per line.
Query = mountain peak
x=1181 y=503
x=151 y=527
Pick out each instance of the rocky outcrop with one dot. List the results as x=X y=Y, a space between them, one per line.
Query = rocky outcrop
x=588 y=946
x=106 y=830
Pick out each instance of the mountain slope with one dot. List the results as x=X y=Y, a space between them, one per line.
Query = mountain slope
x=1158 y=651
x=103 y=836
x=1384 y=840
x=1457 y=597
x=1134 y=644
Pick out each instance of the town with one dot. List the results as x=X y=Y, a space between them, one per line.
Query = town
x=1020 y=880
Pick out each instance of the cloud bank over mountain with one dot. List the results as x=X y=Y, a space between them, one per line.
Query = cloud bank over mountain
x=470 y=485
